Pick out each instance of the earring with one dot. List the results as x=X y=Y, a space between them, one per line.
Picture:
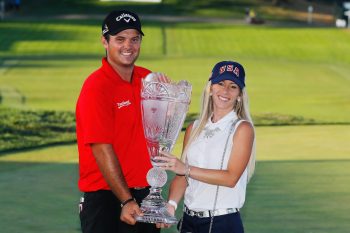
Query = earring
x=210 y=94
x=238 y=100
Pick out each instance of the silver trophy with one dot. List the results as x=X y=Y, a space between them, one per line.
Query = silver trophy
x=164 y=107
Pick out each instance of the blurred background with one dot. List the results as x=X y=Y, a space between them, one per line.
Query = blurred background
x=297 y=60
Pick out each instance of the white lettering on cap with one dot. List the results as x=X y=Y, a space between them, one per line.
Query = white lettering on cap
x=126 y=17
x=229 y=68
x=105 y=30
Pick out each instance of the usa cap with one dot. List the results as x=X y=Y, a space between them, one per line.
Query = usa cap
x=118 y=21
x=228 y=70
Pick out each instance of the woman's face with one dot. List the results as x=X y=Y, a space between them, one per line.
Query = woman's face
x=224 y=95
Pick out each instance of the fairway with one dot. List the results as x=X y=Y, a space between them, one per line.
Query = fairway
x=289 y=71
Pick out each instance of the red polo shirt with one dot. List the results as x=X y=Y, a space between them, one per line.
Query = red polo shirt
x=108 y=111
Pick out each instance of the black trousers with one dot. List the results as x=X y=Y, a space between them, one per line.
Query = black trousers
x=228 y=223
x=100 y=213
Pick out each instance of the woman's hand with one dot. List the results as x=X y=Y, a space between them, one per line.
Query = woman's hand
x=171 y=211
x=170 y=163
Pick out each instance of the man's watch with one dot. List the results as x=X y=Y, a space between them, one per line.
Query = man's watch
x=126 y=202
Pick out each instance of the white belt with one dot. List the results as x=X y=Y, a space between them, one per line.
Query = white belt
x=210 y=213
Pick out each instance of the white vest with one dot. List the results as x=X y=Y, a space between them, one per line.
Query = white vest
x=206 y=152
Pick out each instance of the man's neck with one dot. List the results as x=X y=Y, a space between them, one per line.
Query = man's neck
x=125 y=72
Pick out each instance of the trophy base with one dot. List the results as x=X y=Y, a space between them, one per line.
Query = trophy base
x=154 y=209
x=157 y=216
x=153 y=206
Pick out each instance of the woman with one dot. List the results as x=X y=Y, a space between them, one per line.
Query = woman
x=218 y=158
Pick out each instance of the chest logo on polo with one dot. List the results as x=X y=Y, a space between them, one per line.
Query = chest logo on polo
x=123 y=104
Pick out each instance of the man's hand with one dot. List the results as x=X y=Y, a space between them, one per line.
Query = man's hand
x=158 y=77
x=129 y=212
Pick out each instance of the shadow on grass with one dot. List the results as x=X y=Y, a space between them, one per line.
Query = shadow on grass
x=51 y=31
x=165 y=7
x=54 y=30
x=51 y=7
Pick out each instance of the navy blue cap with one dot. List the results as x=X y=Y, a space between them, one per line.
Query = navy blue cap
x=118 y=21
x=228 y=70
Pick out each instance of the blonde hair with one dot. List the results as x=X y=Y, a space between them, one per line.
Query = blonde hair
x=240 y=107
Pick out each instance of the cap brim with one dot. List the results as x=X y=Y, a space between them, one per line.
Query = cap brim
x=113 y=33
x=226 y=76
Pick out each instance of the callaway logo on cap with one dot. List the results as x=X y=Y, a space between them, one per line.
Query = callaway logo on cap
x=228 y=70
x=117 y=21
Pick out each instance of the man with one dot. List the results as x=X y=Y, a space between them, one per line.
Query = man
x=113 y=157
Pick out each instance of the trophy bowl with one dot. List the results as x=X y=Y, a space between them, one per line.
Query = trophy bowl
x=164 y=108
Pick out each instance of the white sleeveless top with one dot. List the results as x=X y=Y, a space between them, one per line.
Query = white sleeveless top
x=206 y=152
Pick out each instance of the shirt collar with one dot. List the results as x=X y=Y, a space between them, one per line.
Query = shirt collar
x=111 y=73
x=222 y=123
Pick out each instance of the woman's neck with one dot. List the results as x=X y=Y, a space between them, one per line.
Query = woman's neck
x=218 y=115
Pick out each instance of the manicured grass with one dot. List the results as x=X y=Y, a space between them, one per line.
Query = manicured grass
x=326 y=100
x=303 y=143
x=71 y=38
x=301 y=181
x=293 y=71
x=295 y=189
x=299 y=196
x=287 y=12
x=288 y=143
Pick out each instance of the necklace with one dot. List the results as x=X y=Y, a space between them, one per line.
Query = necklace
x=209 y=133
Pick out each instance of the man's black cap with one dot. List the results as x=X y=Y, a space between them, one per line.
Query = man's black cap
x=117 y=21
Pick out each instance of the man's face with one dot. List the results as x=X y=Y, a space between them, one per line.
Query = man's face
x=123 y=48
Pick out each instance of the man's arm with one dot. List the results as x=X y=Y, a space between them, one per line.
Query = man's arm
x=110 y=168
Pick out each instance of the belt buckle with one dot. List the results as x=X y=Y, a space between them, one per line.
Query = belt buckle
x=230 y=211
x=200 y=214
